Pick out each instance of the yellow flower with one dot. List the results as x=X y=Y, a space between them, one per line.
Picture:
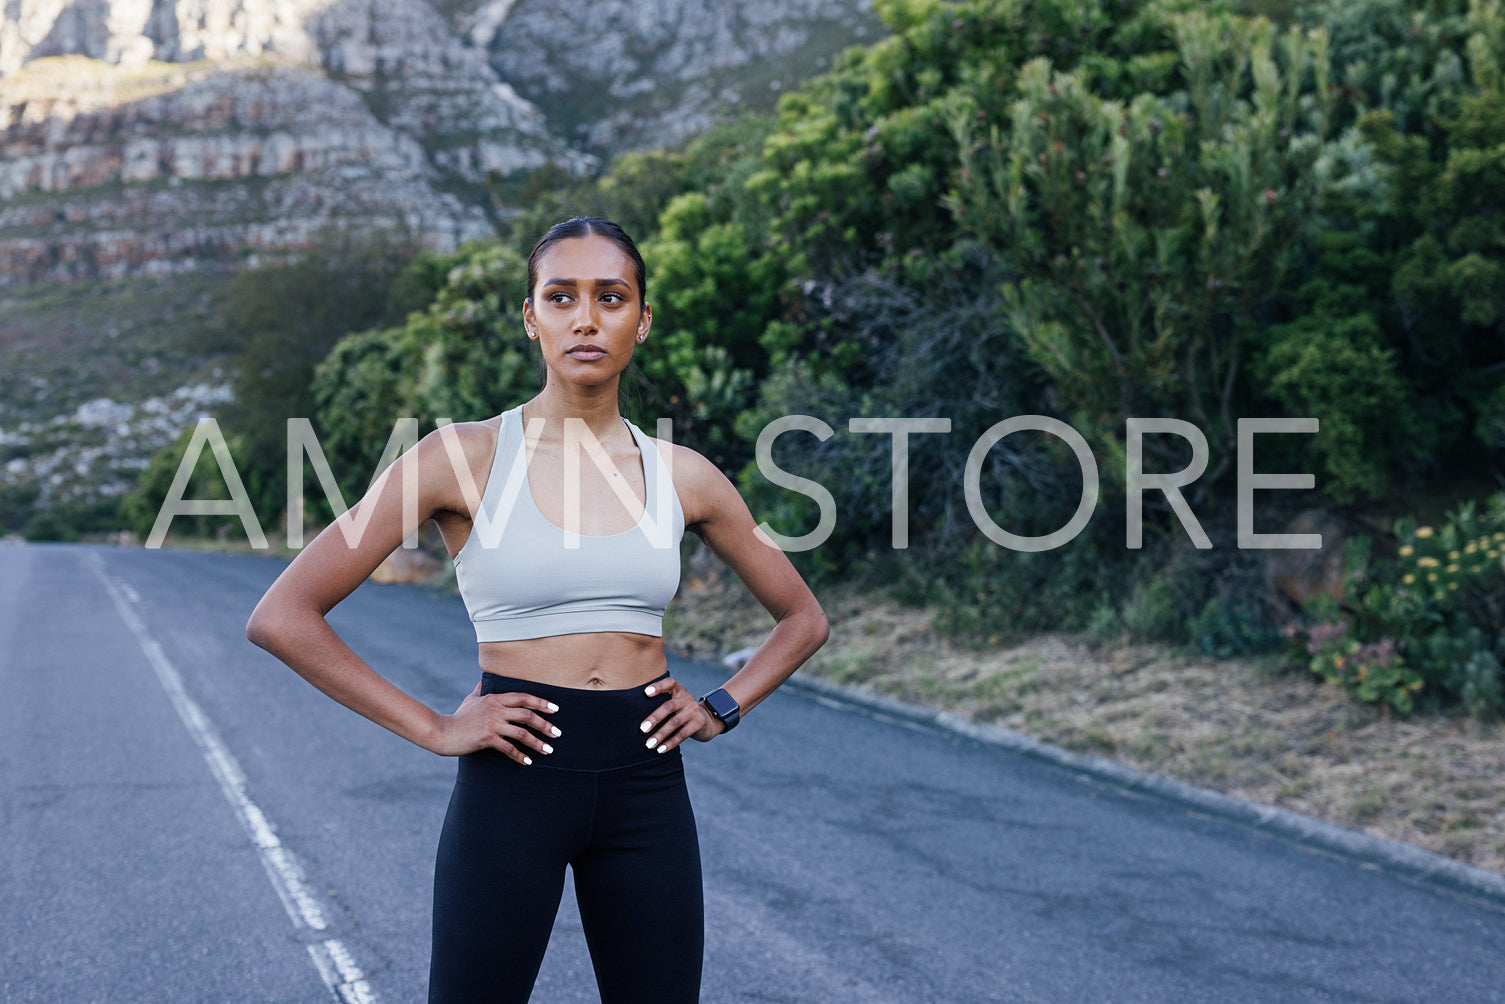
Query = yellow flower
x=1500 y=536
x=1431 y=576
x=1408 y=579
x=1440 y=594
x=1451 y=568
x=1426 y=531
x=1428 y=562
x=1407 y=551
x=1414 y=685
x=1491 y=553
x=1452 y=585
x=1473 y=546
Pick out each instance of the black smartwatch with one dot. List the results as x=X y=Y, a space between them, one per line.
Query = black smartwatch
x=724 y=707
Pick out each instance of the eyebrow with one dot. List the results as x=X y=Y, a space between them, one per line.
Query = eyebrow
x=571 y=283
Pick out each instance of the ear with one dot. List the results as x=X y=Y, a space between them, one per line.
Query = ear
x=645 y=321
x=530 y=322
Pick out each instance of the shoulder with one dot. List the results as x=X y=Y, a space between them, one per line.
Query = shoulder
x=455 y=459
x=474 y=440
x=705 y=492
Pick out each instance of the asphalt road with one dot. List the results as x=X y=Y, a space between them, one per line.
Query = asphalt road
x=184 y=819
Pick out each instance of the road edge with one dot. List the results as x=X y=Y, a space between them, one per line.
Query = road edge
x=1391 y=855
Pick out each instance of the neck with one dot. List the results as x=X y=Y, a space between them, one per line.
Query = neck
x=596 y=406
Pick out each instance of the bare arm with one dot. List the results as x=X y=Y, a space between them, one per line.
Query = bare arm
x=725 y=524
x=289 y=621
x=718 y=514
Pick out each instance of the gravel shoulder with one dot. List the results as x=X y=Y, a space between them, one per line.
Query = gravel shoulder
x=1253 y=728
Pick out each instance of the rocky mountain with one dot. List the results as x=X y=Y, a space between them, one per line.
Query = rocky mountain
x=148 y=148
x=644 y=73
x=148 y=137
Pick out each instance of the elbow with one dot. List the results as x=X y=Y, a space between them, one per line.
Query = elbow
x=261 y=628
x=256 y=630
x=821 y=629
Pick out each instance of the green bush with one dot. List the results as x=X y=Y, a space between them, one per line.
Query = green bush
x=995 y=594
x=1372 y=671
x=138 y=509
x=1222 y=632
x=1432 y=620
x=48 y=524
x=1164 y=606
x=463 y=357
x=283 y=319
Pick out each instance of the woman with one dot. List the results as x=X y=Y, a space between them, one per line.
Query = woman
x=569 y=745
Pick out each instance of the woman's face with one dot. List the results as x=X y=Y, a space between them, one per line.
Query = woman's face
x=585 y=312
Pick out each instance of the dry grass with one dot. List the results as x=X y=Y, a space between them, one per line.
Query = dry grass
x=1247 y=727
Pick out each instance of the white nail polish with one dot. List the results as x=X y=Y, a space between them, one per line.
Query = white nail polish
x=645 y=727
x=547 y=748
x=649 y=743
x=652 y=691
x=553 y=706
x=528 y=760
x=663 y=749
x=557 y=733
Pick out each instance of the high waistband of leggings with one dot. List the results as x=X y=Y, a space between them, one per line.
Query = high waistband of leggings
x=599 y=727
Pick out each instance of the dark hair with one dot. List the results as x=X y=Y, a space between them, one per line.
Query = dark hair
x=589 y=226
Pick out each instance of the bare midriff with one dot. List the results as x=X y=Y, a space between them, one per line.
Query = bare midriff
x=599 y=660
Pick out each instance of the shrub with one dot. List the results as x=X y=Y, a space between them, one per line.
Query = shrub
x=1372 y=671
x=138 y=509
x=1433 y=619
x=1223 y=632
x=1161 y=608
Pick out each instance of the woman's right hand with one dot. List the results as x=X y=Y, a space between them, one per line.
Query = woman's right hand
x=497 y=721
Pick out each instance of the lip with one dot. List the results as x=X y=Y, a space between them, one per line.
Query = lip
x=586 y=351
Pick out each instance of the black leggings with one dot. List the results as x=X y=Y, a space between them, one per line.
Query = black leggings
x=617 y=813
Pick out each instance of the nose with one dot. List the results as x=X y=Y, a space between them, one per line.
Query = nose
x=585 y=315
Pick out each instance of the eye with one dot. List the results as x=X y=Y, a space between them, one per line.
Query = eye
x=558 y=297
x=614 y=297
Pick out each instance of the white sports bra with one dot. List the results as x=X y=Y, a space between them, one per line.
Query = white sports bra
x=523 y=577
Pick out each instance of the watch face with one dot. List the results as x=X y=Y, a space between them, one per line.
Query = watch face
x=721 y=704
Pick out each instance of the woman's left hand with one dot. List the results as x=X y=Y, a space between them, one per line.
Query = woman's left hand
x=679 y=718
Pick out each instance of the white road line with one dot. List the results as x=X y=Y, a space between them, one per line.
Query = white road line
x=336 y=966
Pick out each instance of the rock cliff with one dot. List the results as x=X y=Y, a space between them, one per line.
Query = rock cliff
x=620 y=74
x=142 y=137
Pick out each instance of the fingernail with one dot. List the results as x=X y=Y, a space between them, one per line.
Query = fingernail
x=557 y=733
x=652 y=691
x=553 y=706
x=649 y=743
x=663 y=749
x=528 y=760
x=547 y=748
x=645 y=726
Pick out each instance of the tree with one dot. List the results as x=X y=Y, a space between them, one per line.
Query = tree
x=1150 y=240
x=284 y=319
x=463 y=358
